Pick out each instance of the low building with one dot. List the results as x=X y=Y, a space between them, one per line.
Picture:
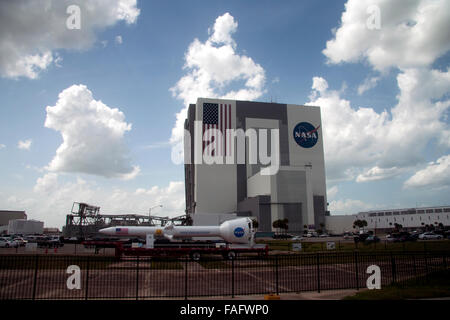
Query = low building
x=386 y=220
x=408 y=218
x=51 y=231
x=340 y=224
x=22 y=226
x=7 y=215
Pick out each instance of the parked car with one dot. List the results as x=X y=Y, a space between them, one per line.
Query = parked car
x=402 y=237
x=371 y=239
x=312 y=234
x=348 y=236
x=282 y=236
x=430 y=236
x=297 y=238
x=324 y=235
x=21 y=241
x=8 y=243
x=361 y=238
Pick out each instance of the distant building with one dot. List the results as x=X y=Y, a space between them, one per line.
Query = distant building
x=408 y=218
x=22 y=226
x=385 y=220
x=51 y=231
x=7 y=215
x=339 y=224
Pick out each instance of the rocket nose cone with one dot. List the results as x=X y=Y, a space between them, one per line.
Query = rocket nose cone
x=105 y=230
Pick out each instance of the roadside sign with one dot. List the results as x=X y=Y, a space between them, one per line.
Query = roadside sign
x=331 y=245
x=296 y=246
x=150 y=240
x=31 y=246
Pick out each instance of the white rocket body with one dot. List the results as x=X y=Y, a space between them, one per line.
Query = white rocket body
x=233 y=231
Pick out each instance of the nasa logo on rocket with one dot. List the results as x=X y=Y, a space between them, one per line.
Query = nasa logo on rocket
x=306 y=135
x=239 y=232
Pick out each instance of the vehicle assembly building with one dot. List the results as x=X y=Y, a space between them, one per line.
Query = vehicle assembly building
x=255 y=159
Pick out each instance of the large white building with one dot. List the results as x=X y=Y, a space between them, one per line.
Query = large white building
x=385 y=220
x=253 y=158
x=410 y=218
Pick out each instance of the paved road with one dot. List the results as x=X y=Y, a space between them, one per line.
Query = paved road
x=122 y=279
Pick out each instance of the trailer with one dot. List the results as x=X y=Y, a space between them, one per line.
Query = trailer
x=194 y=250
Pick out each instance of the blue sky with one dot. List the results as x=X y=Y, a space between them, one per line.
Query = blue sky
x=307 y=55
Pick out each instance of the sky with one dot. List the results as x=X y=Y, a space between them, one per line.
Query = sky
x=93 y=96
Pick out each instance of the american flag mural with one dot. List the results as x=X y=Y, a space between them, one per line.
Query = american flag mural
x=121 y=230
x=217 y=116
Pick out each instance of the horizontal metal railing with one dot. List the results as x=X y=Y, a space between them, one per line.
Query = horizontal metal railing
x=45 y=277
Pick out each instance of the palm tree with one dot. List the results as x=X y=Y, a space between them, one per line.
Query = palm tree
x=255 y=223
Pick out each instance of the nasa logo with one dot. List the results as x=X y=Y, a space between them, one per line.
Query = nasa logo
x=239 y=232
x=306 y=135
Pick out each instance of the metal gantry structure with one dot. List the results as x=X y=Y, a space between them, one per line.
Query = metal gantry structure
x=85 y=220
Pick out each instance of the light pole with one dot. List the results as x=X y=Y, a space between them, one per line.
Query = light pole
x=150 y=211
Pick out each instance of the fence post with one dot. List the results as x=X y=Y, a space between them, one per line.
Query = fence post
x=35 y=276
x=185 y=278
x=318 y=273
x=232 y=278
x=356 y=268
x=137 y=278
x=87 y=278
x=394 y=272
x=444 y=261
x=276 y=273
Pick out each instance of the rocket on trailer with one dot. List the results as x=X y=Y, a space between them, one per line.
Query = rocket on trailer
x=232 y=231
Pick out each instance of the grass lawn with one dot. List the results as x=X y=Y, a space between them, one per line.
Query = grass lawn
x=436 y=285
x=307 y=246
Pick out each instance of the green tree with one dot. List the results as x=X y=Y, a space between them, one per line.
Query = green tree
x=255 y=224
x=360 y=224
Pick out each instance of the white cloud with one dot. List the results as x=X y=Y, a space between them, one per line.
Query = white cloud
x=32 y=30
x=93 y=136
x=356 y=140
x=212 y=66
x=118 y=39
x=52 y=198
x=47 y=183
x=412 y=34
x=24 y=144
x=369 y=83
x=348 y=206
x=2 y=146
x=376 y=173
x=435 y=175
x=222 y=30
x=332 y=192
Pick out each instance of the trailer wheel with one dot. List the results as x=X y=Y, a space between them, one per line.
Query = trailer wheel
x=195 y=256
x=230 y=255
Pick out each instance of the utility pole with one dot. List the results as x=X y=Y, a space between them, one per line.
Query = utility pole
x=150 y=211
